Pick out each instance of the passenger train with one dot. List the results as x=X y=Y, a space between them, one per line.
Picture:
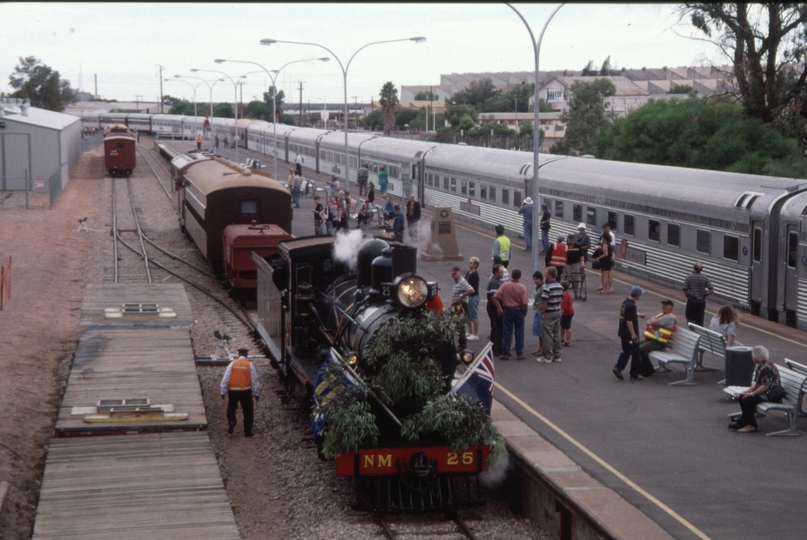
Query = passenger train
x=749 y=231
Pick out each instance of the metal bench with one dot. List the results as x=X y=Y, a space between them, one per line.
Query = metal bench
x=794 y=383
x=711 y=342
x=681 y=349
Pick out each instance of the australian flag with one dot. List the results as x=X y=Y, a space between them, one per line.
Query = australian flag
x=326 y=388
x=477 y=382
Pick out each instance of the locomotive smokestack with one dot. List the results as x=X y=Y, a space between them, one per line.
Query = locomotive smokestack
x=404 y=260
x=368 y=252
x=382 y=269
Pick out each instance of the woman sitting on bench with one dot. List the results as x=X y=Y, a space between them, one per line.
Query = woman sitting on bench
x=765 y=376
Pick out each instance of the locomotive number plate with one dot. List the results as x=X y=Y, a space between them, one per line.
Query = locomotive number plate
x=384 y=461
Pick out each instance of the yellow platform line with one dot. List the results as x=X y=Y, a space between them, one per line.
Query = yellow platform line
x=633 y=485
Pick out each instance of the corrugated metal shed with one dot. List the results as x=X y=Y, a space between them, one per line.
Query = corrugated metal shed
x=133 y=487
x=45 y=144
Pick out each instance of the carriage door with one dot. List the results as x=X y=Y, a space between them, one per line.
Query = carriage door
x=757 y=272
x=791 y=274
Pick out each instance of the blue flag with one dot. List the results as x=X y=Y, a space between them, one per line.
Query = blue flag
x=477 y=383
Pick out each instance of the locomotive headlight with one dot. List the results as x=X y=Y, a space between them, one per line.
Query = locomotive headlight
x=412 y=292
x=352 y=359
x=466 y=356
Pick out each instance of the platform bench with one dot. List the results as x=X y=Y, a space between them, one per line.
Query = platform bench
x=681 y=349
x=794 y=383
x=711 y=342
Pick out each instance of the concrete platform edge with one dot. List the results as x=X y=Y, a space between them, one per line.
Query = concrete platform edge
x=550 y=477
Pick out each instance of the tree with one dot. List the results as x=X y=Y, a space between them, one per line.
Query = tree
x=389 y=102
x=454 y=114
x=223 y=110
x=477 y=93
x=761 y=40
x=374 y=120
x=404 y=116
x=682 y=89
x=700 y=133
x=182 y=108
x=589 y=70
x=425 y=96
x=586 y=116
x=41 y=85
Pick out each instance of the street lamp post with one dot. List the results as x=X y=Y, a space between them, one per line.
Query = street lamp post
x=195 y=116
x=536 y=222
x=209 y=87
x=235 y=103
x=344 y=68
x=274 y=98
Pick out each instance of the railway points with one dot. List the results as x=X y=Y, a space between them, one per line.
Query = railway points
x=666 y=450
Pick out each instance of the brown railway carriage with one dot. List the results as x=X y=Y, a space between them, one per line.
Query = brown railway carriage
x=212 y=193
x=119 y=150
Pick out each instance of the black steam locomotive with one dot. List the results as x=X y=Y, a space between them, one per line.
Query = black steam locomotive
x=335 y=326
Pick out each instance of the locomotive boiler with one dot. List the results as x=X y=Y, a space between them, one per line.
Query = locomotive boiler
x=351 y=335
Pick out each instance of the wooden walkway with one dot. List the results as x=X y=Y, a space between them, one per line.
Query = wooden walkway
x=100 y=297
x=164 y=485
x=156 y=363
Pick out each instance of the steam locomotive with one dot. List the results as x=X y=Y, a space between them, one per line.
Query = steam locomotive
x=322 y=315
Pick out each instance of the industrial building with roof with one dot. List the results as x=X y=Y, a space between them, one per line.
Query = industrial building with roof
x=38 y=148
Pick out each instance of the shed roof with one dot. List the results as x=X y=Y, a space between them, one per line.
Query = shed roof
x=38 y=117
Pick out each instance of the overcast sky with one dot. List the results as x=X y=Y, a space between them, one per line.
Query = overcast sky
x=124 y=44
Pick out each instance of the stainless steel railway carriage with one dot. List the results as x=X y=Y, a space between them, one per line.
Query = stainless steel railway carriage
x=749 y=231
x=213 y=193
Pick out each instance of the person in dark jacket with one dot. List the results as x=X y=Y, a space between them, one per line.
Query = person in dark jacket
x=398 y=223
x=413 y=216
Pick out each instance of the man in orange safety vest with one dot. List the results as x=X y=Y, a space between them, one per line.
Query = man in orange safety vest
x=240 y=383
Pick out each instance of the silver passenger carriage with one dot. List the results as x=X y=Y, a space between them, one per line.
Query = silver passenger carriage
x=791 y=263
x=403 y=160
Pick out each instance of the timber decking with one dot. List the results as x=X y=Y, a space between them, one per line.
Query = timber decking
x=157 y=364
x=98 y=297
x=163 y=485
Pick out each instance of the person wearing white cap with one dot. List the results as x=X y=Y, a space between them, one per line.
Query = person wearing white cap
x=526 y=211
x=582 y=241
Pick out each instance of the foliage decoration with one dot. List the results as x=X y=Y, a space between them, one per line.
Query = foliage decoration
x=460 y=422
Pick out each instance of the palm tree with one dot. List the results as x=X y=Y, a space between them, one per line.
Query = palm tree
x=389 y=102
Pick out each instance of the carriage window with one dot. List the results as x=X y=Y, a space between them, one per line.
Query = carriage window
x=757 y=247
x=703 y=242
x=492 y=193
x=674 y=235
x=731 y=248
x=630 y=225
x=577 y=213
x=483 y=191
x=505 y=196
x=792 y=249
x=559 y=209
x=517 y=198
x=464 y=186
x=613 y=221
x=249 y=207
x=453 y=186
x=472 y=189
x=591 y=216
x=653 y=230
x=430 y=179
x=445 y=182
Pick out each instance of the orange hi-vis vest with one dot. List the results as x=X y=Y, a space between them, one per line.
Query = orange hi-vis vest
x=664 y=333
x=240 y=378
x=558 y=258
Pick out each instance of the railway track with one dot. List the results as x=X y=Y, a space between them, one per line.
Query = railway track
x=411 y=528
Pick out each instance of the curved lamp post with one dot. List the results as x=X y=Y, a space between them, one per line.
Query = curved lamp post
x=536 y=223
x=195 y=116
x=274 y=99
x=235 y=102
x=344 y=68
x=209 y=87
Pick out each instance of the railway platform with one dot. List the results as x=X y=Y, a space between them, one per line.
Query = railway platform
x=665 y=450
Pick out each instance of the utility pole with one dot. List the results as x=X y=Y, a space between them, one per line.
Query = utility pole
x=301 y=103
x=137 y=102
x=161 y=88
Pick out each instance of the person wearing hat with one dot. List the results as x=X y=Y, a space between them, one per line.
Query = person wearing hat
x=545 y=226
x=556 y=255
x=241 y=384
x=657 y=334
x=501 y=246
x=412 y=216
x=629 y=335
x=526 y=212
x=582 y=241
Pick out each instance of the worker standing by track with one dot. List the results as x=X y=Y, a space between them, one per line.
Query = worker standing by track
x=240 y=383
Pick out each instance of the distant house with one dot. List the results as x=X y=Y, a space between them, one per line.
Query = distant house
x=554 y=129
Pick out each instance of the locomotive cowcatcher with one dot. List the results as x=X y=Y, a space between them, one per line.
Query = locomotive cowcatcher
x=318 y=313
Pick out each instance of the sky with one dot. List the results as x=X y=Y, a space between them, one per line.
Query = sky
x=124 y=44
